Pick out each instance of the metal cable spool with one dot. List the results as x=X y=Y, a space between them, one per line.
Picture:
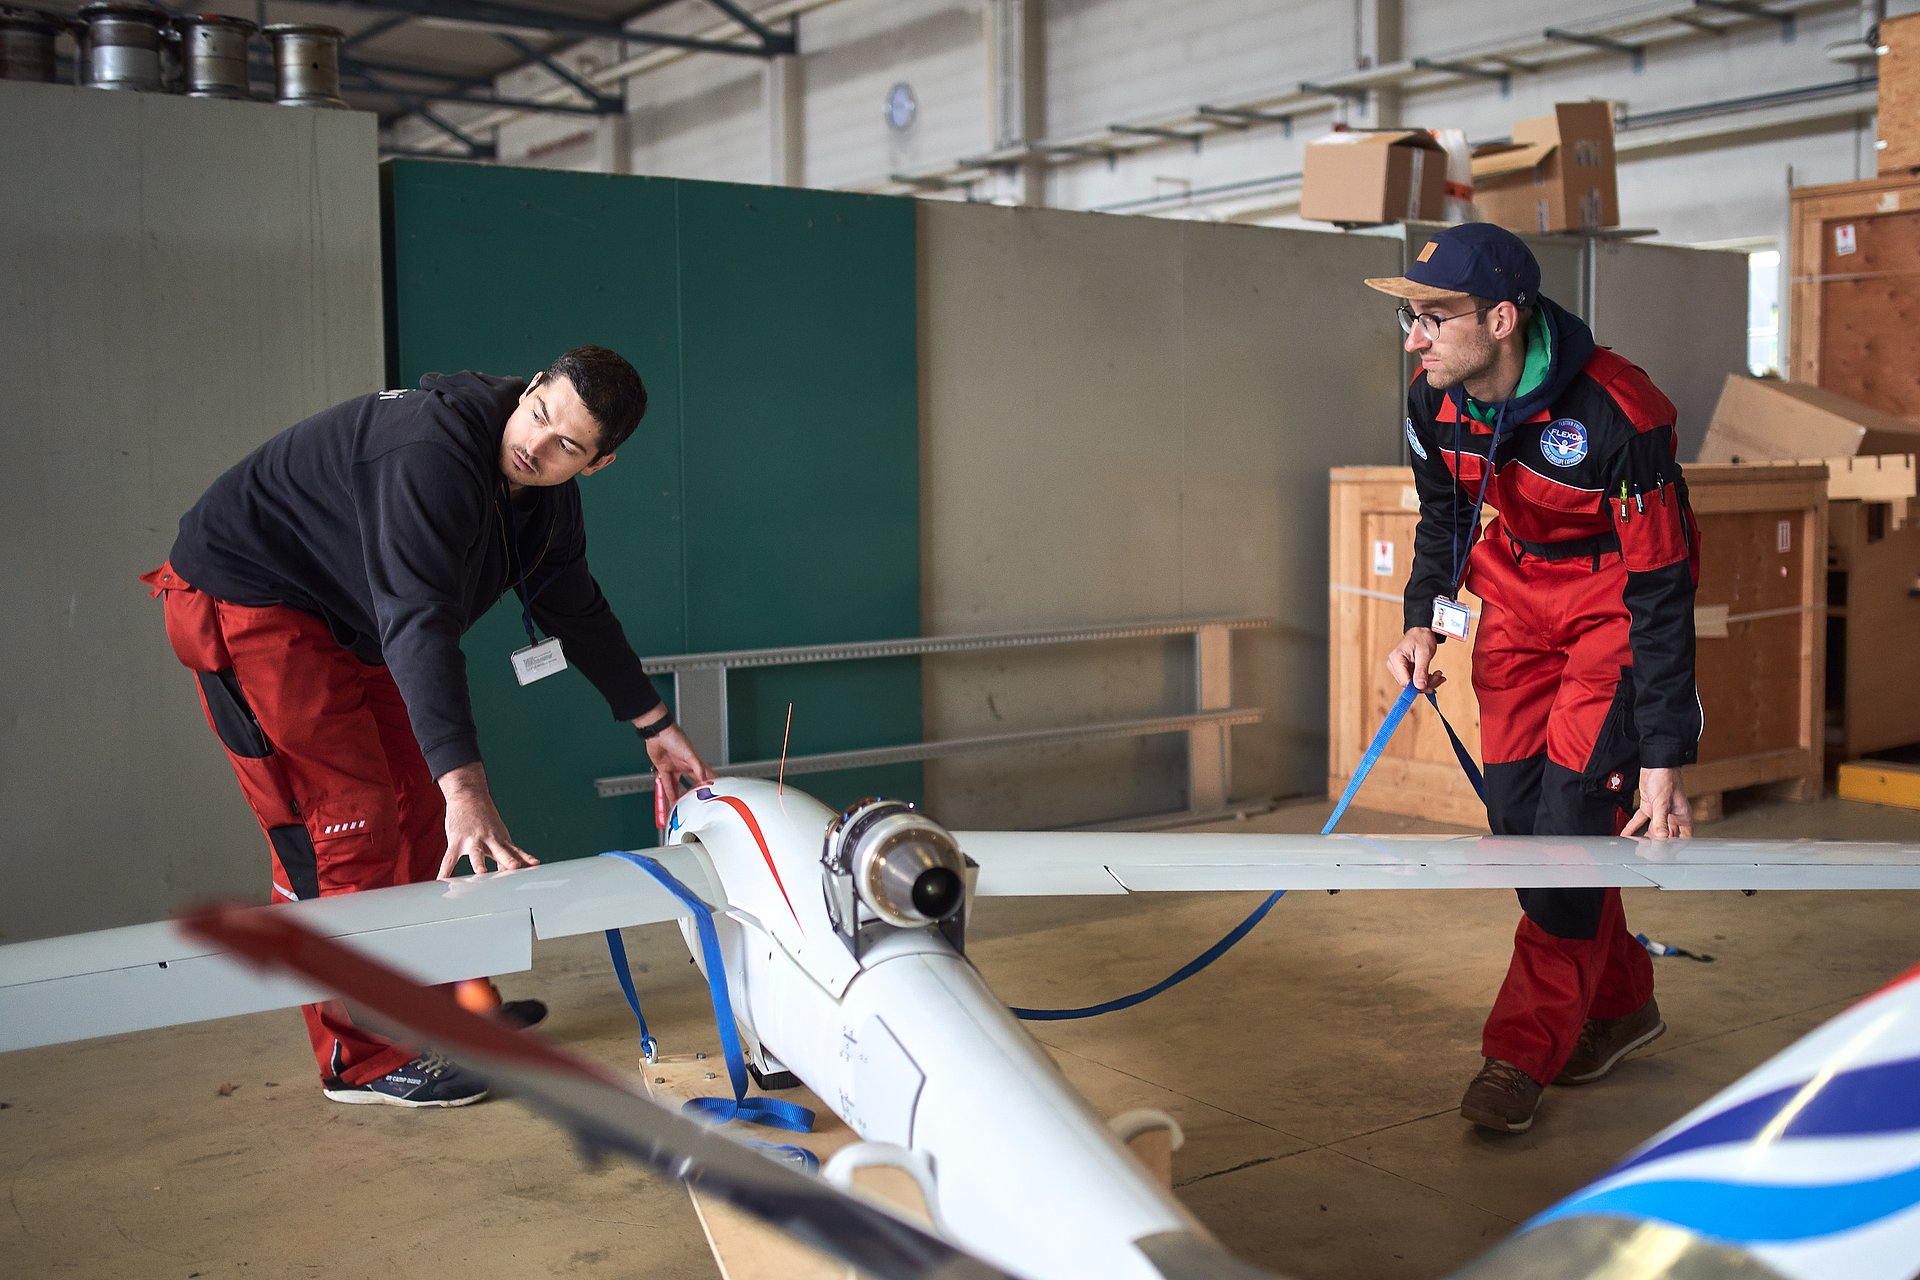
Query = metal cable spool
x=123 y=46
x=213 y=54
x=306 y=64
x=26 y=44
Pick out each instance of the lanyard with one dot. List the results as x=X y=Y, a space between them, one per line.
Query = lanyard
x=1473 y=525
x=510 y=537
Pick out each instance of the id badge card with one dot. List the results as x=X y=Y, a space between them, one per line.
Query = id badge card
x=538 y=661
x=1449 y=618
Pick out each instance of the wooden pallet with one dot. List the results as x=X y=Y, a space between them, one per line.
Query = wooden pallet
x=744 y=1248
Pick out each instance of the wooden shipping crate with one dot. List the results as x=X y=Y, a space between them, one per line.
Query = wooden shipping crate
x=1854 y=291
x=1760 y=618
x=1873 y=563
x=1899 y=74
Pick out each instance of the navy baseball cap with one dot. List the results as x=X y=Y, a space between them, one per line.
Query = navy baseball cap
x=1475 y=257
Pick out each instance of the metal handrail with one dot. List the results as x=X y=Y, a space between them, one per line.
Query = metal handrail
x=968 y=642
x=700 y=686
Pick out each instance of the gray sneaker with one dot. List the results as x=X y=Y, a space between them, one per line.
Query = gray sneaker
x=428 y=1081
x=1604 y=1041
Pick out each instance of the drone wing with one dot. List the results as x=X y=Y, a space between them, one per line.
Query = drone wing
x=1074 y=862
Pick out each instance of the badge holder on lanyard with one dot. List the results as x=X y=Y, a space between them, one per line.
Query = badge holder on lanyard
x=541 y=658
x=1449 y=615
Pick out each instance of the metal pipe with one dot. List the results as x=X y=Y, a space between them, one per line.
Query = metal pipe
x=306 y=64
x=123 y=46
x=26 y=44
x=213 y=55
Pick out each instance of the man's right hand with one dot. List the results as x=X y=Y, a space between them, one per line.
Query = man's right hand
x=475 y=830
x=1412 y=659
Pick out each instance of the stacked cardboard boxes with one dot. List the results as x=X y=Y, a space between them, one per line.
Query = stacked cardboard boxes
x=1556 y=175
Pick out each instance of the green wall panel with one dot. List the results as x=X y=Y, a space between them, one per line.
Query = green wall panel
x=771 y=496
x=800 y=353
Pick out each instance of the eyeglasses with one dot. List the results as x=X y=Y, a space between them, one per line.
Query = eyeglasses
x=1430 y=322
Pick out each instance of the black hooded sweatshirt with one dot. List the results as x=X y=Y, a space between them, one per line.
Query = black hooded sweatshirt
x=1588 y=454
x=388 y=517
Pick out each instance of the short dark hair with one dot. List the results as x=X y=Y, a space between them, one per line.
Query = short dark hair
x=609 y=387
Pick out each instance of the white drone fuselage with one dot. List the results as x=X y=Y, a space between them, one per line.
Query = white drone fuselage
x=906 y=1042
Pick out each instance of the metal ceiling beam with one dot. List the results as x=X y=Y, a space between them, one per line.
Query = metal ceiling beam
x=476 y=149
x=414 y=99
x=605 y=103
x=758 y=29
x=380 y=67
x=496 y=13
x=373 y=31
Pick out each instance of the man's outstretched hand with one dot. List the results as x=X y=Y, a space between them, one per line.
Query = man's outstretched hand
x=475 y=830
x=1664 y=808
x=674 y=756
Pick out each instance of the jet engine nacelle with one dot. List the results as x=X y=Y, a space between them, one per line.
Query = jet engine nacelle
x=903 y=867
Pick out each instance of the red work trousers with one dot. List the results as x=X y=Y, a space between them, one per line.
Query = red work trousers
x=328 y=763
x=1552 y=669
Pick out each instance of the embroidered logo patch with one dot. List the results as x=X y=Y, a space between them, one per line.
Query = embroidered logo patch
x=1564 y=442
x=1414 y=440
x=1616 y=781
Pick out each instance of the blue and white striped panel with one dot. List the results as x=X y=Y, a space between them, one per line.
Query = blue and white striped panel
x=1811 y=1163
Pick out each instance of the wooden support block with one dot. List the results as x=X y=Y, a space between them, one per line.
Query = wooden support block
x=1880 y=782
x=744 y=1248
x=1708 y=807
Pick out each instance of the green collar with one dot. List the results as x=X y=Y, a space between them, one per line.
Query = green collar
x=1532 y=374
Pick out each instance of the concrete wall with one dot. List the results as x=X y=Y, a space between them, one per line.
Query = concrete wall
x=1129 y=418
x=183 y=279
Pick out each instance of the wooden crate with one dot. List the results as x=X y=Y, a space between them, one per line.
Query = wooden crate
x=1873 y=584
x=1759 y=615
x=1856 y=290
x=1899 y=74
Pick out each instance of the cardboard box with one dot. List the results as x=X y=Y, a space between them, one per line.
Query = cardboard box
x=1766 y=419
x=1556 y=174
x=1899 y=72
x=1366 y=175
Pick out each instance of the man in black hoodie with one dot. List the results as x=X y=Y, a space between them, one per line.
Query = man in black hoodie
x=1583 y=653
x=319 y=591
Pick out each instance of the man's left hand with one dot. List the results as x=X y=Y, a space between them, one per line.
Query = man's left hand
x=1664 y=809
x=673 y=754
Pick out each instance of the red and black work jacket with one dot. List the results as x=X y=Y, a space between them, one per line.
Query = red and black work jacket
x=1586 y=466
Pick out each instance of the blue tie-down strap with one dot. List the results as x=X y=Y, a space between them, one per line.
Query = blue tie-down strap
x=771 y=1112
x=1395 y=715
x=1662 y=949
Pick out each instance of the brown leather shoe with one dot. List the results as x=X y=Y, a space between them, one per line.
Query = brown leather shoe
x=1604 y=1041
x=1502 y=1098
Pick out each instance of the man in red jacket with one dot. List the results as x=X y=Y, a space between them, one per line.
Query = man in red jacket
x=1583 y=653
x=319 y=590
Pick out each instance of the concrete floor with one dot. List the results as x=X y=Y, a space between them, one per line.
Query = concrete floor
x=1315 y=1070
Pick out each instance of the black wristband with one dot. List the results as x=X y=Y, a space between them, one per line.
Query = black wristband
x=648 y=732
